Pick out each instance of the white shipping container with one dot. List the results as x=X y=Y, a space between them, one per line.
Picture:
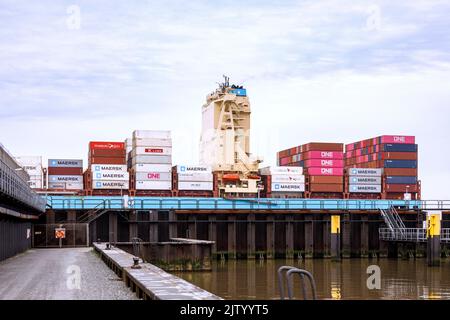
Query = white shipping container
x=152 y=142
x=153 y=185
x=35 y=184
x=111 y=176
x=147 y=167
x=206 y=186
x=365 y=188
x=96 y=184
x=33 y=172
x=66 y=186
x=71 y=179
x=34 y=161
x=288 y=178
x=108 y=168
x=153 y=176
x=193 y=169
x=151 y=134
x=365 y=172
x=288 y=187
x=280 y=170
x=199 y=177
x=166 y=151
x=152 y=159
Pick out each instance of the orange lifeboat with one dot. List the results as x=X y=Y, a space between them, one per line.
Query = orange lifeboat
x=231 y=177
x=253 y=176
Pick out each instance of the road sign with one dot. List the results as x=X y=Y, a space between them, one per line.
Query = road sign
x=60 y=233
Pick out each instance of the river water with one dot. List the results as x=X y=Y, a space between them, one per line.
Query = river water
x=257 y=279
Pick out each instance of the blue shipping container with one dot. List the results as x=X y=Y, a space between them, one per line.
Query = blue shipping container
x=239 y=92
x=399 y=147
x=411 y=164
x=401 y=180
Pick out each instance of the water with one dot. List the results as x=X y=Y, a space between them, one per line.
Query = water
x=400 y=279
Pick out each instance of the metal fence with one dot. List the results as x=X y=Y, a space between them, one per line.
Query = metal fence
x=76 y=235
x=410 y=234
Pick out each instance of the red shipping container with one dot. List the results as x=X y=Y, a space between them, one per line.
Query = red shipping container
x=320 y=146
x=111 y=153
x=326 y=188
x=316 y=171
x=326 y=180
x=399 y=155
x=404 y=172
x=106 y=145
x=324 y=163
x=104 y=160
x=401 y=188
x=61 y=171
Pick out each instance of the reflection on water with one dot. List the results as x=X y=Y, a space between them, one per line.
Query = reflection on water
x=257 y=279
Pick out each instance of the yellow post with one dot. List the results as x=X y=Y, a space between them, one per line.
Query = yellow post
x=336 y=237
x=434 y=225
x=335 y=224
x=433 y=239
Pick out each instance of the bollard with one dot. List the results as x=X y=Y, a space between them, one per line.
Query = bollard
x=135 y=263
x=335 y=238
x=433 y=240
x=108 y=247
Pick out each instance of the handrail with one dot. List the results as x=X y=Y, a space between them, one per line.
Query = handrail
x=289 y=272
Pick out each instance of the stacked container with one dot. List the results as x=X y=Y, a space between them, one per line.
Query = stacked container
x=323 y=165
x=107 y=165
x=283 y=182
x=33 y=166
x=151 y=160
x=396 y=155
x=65 y=174
x=364 y=181
x=193 y=180
x=128 y=149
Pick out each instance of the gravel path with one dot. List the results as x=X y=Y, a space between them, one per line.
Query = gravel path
x=49 y=274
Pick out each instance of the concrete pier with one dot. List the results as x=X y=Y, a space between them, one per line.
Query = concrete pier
x=232 y=237
x=309 y=236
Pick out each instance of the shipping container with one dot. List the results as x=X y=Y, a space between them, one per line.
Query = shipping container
x=397 y=156
x=111 y=176
x=325 y=171
x=400 y=164
x=108 y=168
x=152 y=160
x=106 y=145
x=107 y=153
x=151 y=134
x=199 y=177
x=281 y=170
x=326 y=179
x=147 y=167
x=372 y=180
x=65 y=163
x=61 y=171
x=321 y=146
x=114 y=185
x=401 y=180
x=104 y=160
x=365 y=188
x=288 y=187
x=400 y=172
x=401 y=188
x=189 y=185
x=398 y=147
x=167 y=151
x=326 y=187
x=324 y=163
x=397 y=139
x=193 y=169
x=65 y=186
x=72 y=179
x=334 y=155
x=153 y=185
x=152 y=142
x=153 y=176
x=365 y=172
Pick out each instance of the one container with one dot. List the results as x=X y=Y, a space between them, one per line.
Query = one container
x=325 y=171
x=153 y=176
x=153 y=185
x=324 y=163
x=189 y=185
x=322 y=155
x=398 y=139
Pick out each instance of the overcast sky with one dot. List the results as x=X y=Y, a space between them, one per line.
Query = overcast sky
x=332 y=71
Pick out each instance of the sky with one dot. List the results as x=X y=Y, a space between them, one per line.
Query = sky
x=332 y=71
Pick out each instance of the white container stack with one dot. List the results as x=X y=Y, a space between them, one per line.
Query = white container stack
x=364 y=180
x=110 y=176
x=128 y=149
x=151 y=159
x=284 y=179
x=65 y=174
x=194 y=178
x=33 y=166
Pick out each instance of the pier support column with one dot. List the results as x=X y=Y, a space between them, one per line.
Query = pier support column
x=289 y=236
x=433 y=240
x=153 y=228
x=326 y=225
x=309 y=236
x=173 y=225
x=336 y=238
x=192 y=227
x=251 y=245
x=112 y=227
x=71 y=216
x=212 y=232
x=270 y=236
x=364 y=252
x=93 y=231
x=232 y=237
x=133 y=228
x=50 y=217
x=346 y=236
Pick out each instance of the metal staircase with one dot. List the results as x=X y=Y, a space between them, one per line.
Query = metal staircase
x=393 y=220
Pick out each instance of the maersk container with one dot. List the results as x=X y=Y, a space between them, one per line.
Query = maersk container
x=67 y=163
x=72 y=179
x=190 y=185
x=199 y=177
x=114 y=185
x=193 y=169
x=365 y=180
x=401 y=180
x=111 y=176
x=146 y=167
x=166 y=151
x=151 y=134
x=152 y=160
x=288 y=187
x=400 y=164
x=280 y=170
x=365 y=189
x=365 y=172
x=152 y=143
x=153 y=176
x=153 y=185
x=389 y=147
x=108 y=168
x=288 y=178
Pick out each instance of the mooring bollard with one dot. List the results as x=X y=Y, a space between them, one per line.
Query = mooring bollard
x=336 y=238
x=135 y=263
x=108 y=247
x=434 y=240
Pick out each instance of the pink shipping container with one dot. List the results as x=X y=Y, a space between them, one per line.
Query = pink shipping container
x=323 y=155
x=398 y=139
x=325 y=171
x=324 y=163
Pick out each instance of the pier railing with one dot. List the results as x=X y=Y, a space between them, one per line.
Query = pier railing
x=410 y=234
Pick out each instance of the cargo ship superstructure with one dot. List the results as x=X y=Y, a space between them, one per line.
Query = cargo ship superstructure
x=225 y=141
